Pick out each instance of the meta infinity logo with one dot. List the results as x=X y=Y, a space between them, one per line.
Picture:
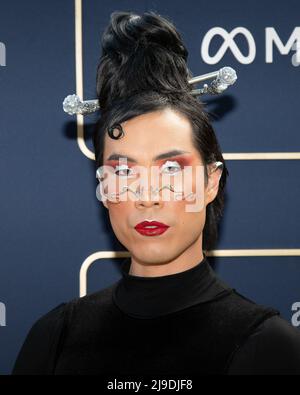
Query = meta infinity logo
x=2 y=54
x=2 y=314
x=271 y=39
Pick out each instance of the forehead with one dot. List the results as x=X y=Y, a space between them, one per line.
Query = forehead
x=148 y=134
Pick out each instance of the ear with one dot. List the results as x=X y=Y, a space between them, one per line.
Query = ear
x=100 y=197
x=215 y=171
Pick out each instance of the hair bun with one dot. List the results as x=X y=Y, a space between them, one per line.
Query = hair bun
x=140 y=53
x=127 y=31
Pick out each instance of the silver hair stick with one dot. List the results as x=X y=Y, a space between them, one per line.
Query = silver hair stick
x=222 y=79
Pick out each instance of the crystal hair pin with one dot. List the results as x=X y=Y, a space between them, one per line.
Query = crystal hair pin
x=223 y=78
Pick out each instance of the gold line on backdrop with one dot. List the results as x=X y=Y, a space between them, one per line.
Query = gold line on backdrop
x=80 y=119
x=90 y=260
x=79 y=79
x=227 y=156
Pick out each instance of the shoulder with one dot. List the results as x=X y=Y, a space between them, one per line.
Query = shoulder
x=239 y=315
x=102 y=297
x=39 y=346
x=45 y=338
x=272 y=348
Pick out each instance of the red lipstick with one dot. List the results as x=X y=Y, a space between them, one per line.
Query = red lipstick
x=151 y=228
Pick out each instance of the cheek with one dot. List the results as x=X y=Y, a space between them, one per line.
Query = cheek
x=186 y=220
x=188 y=226
x=118 y=212
x=192 y=179
x=118 y=215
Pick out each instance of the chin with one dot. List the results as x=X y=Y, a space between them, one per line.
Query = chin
x=153 y=256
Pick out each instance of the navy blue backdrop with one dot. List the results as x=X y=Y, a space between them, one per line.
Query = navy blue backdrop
x=51 y=221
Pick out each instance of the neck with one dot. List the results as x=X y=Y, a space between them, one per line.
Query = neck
x=152 y=297
x=186 y=260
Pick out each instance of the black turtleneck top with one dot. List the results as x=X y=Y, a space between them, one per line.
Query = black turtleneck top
x=150 y=297
x=184 y=323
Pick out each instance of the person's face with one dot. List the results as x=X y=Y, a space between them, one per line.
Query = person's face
x=147 y=136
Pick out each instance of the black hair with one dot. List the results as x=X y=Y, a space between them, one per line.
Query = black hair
x=143 y=68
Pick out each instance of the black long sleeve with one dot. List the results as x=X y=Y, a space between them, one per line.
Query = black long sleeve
x=38 y=353
x=186 y=323
x=272 y=349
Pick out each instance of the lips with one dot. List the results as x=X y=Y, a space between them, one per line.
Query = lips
x=151 y=228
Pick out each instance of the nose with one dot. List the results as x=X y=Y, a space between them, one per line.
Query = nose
x=147 y=198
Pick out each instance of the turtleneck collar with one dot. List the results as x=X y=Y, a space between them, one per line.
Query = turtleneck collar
x=151 y=297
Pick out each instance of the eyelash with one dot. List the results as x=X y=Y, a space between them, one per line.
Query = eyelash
x=165 y=165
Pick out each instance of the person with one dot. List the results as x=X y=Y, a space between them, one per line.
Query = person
x=169 y=313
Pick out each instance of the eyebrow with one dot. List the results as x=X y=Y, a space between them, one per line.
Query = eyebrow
x=164 y=155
